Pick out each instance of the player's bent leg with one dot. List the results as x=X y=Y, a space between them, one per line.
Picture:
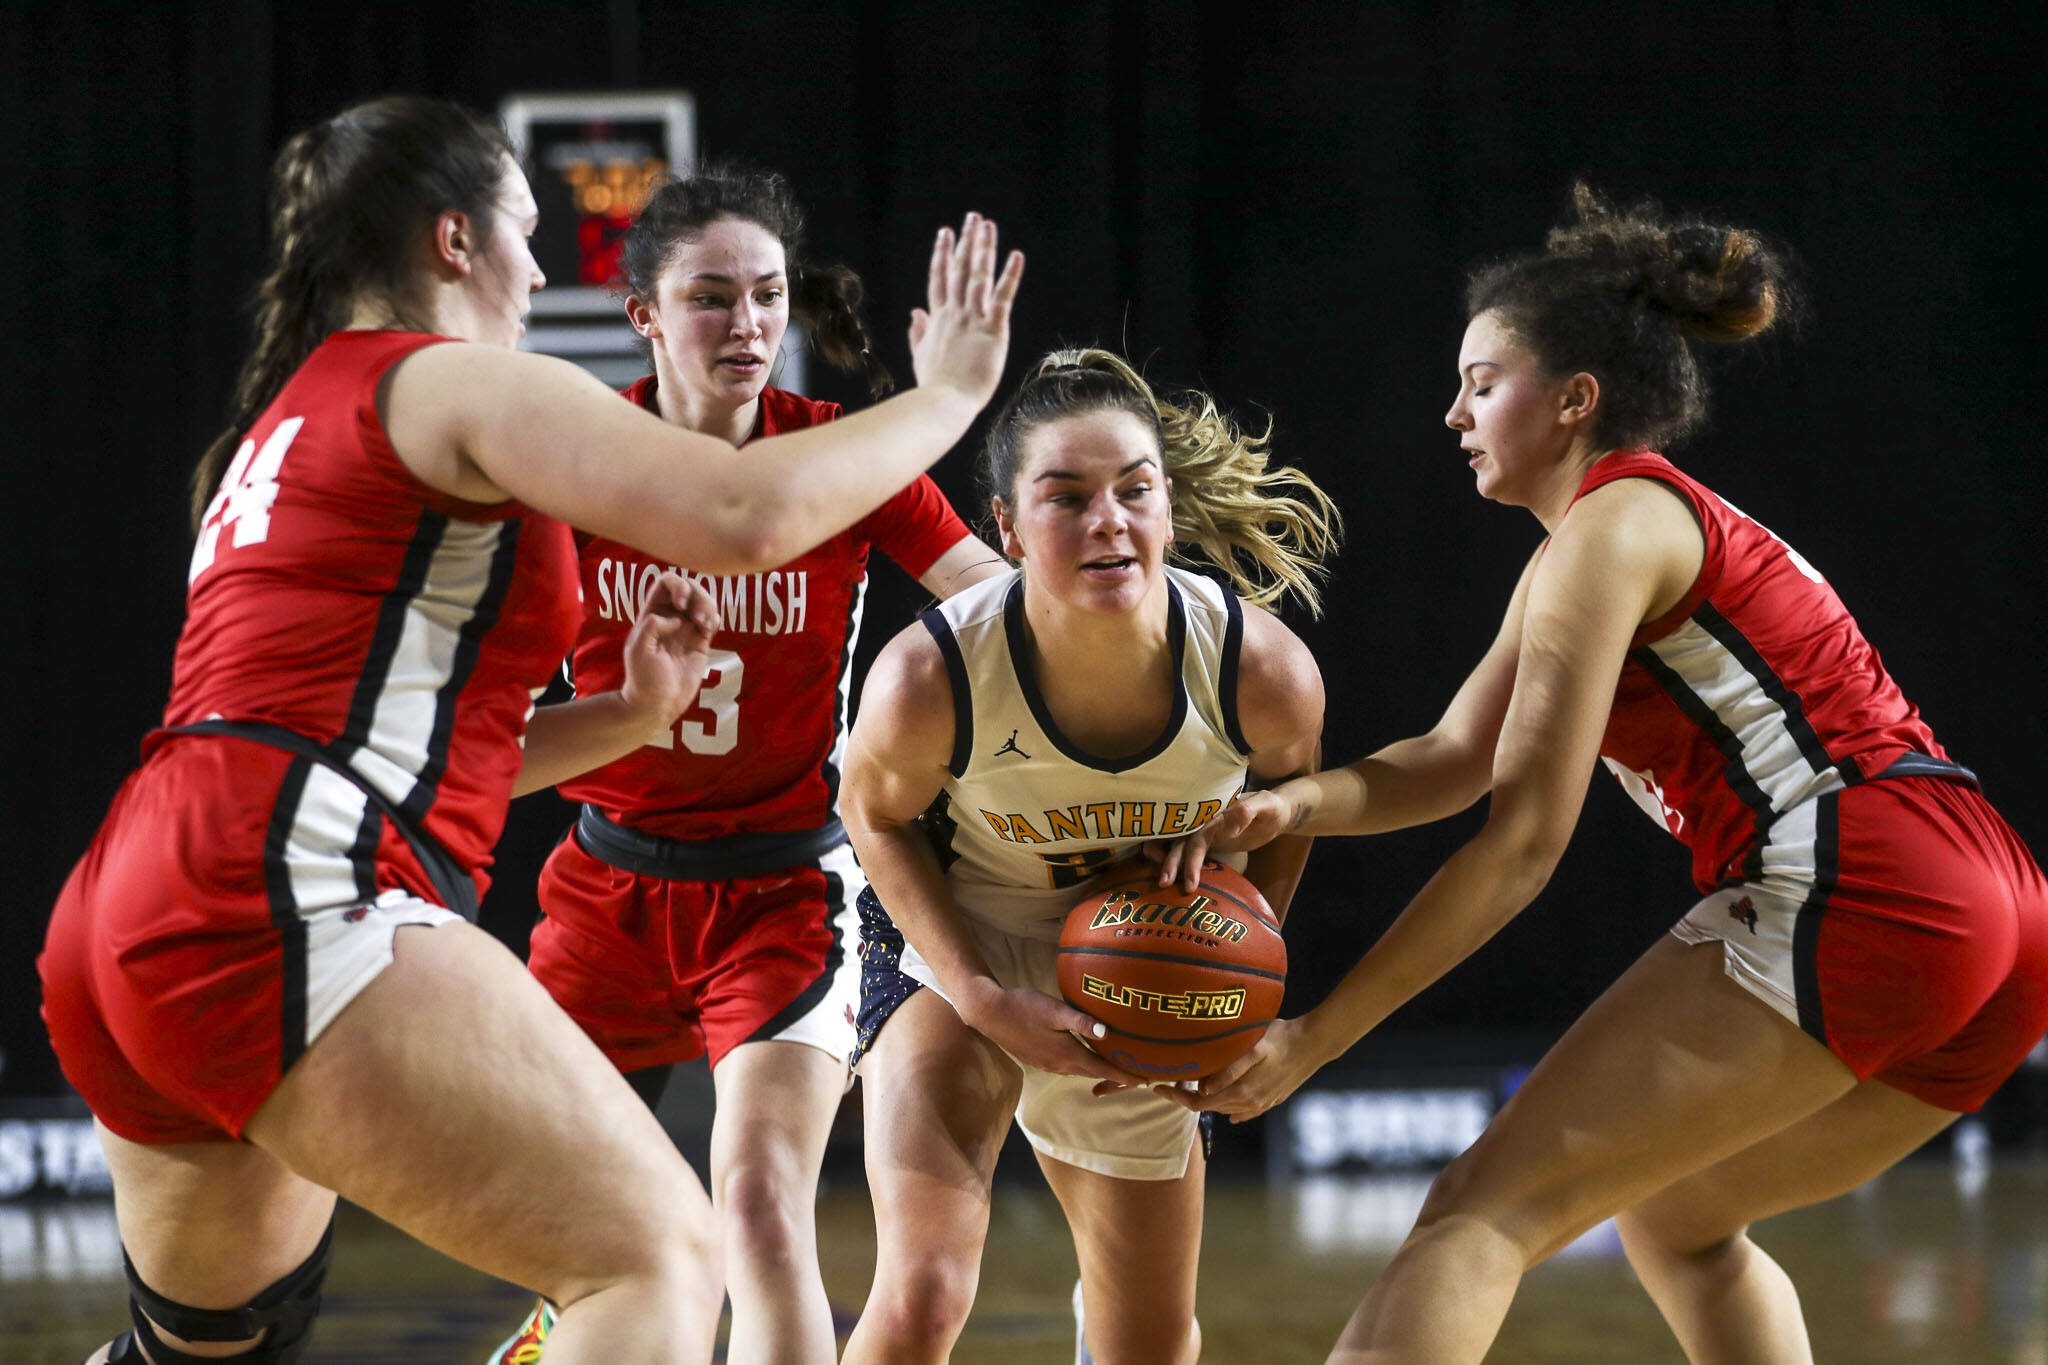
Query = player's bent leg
x=1671 y=1070
x=454 y=1099
x=1725 y=1299
x=776 y=1101
x=1139 y=1244
x=939 y=1098
x=225 y=1251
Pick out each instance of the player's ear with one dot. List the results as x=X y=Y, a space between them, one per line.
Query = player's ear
x=640 y=313
x=1006 y=529
x=453 y=241
x=1580 y=399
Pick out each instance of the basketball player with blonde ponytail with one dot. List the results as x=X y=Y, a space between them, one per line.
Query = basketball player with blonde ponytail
x=1093 y=677
x=1870 y=954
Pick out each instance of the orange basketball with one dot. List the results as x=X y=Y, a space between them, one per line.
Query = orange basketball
x=1185 y=983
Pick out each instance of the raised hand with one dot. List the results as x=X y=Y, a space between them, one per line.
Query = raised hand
x=1040 y=1030
x=668 y=647
x=960 y=339
x=1254 y=819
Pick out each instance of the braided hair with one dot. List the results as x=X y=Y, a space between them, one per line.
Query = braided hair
x=348 y=199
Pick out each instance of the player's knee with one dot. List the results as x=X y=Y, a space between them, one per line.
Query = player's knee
x=655 y=1255
x=764 y=1223
x=925 y=1305
x=1651 y=1235
x=1448 y=1193
x=277 y=1323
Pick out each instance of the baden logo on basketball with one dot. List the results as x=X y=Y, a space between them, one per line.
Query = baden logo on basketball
x=1194 y=915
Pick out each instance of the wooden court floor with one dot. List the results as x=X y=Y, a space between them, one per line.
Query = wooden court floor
x=1930 y=1265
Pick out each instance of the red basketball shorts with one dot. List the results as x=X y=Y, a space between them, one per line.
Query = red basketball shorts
x=223 y=916
x=1915 y=946
x=658 y=970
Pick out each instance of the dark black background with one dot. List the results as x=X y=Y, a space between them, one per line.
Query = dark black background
x=1273 y=204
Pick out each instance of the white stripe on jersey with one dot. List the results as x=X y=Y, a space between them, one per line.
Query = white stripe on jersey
x=1788 y=854
x=836 y=760
x=1769 y=751
x=396 y=750
x=324 y=828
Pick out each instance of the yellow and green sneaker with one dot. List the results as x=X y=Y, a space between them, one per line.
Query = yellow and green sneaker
x=523 y=1346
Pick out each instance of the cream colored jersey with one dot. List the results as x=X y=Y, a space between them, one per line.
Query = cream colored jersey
x=1027 y=814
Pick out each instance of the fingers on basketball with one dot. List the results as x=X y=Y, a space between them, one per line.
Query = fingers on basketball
x=1185 y=982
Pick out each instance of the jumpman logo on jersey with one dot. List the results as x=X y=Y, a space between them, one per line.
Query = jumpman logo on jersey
x=1010 y=747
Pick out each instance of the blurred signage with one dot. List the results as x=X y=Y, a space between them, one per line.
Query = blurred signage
x=593 y=160
x=43 y=1153
x=1331 y=1129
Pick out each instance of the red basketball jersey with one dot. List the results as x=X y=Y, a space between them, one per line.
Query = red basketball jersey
x=333 y=593
x=1753 y=695
x=760 y=750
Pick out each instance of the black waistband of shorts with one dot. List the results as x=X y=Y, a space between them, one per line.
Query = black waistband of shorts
x=1911 y=764
x=457 y=888
x=703 y=860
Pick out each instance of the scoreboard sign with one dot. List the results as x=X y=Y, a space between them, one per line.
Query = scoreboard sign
x=593 y=160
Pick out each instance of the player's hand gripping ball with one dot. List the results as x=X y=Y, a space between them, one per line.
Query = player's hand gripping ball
x=1185 y=983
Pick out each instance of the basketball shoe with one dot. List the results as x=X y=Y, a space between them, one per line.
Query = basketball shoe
x=523 y=1346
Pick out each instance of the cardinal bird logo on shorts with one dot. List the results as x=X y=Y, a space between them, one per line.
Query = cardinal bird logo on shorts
x=1744 y=910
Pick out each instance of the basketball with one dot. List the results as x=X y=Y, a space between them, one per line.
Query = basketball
x=1185 y=984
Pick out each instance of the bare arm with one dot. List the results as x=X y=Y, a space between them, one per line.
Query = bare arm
x=1615 y=558
x=1608 y=565
x=1409 y=782
x=486 y=424
x=895 y=766
x=967 y=562
x=1280 y=710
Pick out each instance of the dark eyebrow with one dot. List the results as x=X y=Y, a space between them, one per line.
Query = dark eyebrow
x=715 y=278
x=1069 y=474
x=1473 y=365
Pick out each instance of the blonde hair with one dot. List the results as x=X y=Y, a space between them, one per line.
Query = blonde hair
x=1269 y=529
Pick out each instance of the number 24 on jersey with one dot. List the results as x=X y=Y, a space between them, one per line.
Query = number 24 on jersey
x=246 y=493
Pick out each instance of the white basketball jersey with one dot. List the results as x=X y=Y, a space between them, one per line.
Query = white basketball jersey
x=1028 y=814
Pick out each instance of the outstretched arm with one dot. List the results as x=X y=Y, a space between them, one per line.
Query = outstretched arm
x=1409 y=782
x=1613 y=560
x=486 y=424
x=966 y=562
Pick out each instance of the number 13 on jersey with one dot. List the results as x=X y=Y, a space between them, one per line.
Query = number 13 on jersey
x=720 y=696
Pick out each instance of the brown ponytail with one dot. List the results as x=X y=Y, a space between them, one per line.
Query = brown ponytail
x=348 y=199
x=1626 y=295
